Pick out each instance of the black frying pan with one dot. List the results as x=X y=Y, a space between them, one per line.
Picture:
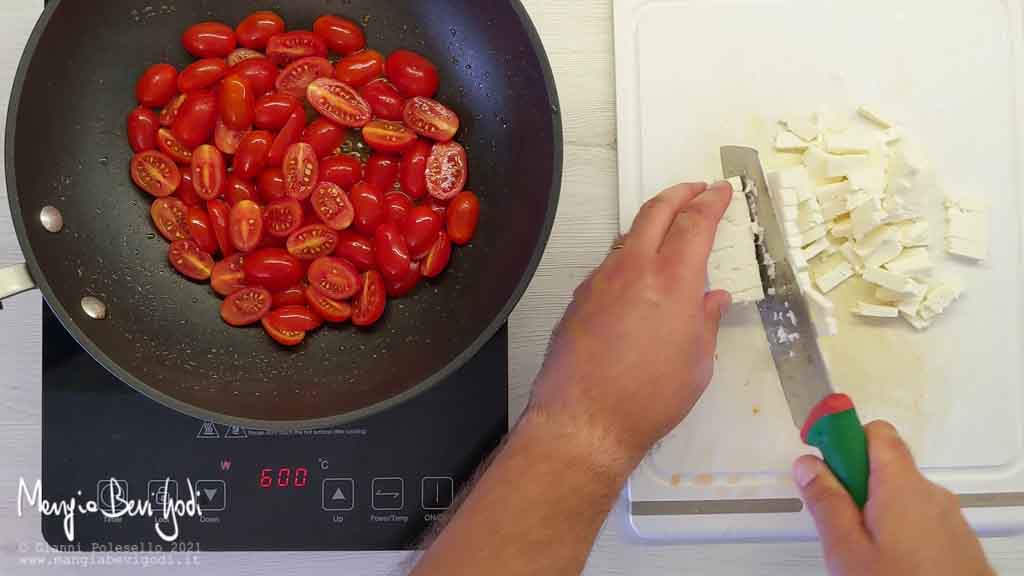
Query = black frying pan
x=66 y=148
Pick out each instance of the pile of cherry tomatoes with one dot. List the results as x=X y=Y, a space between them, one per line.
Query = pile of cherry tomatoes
x=243 y=151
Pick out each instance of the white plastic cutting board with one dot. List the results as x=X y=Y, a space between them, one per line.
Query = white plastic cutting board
x=694 y=75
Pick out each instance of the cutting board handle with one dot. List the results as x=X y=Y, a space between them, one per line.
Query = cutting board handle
x=834 y=428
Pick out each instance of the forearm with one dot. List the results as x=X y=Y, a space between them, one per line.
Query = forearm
x=538 y=507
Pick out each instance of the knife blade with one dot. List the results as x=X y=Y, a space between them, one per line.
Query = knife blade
x=826 y=420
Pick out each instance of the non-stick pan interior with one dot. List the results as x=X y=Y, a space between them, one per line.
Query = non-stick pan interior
x=66 y=148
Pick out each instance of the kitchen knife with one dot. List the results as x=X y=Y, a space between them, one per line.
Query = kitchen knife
x=827 y=421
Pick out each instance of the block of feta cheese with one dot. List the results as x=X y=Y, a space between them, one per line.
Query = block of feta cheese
x=823 y=313
x=868 y=310
x=831 y=274
x=913 y=262
x=786 y=141
x=867 y=217
x=733 y=263
x=803 y=127
x=967 y=228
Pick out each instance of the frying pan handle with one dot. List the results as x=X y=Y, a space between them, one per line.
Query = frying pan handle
x=15 y=280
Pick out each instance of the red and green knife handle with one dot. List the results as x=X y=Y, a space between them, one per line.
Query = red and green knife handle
x=834 y=428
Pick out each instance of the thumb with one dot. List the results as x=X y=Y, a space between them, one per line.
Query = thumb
x=839 y=521
x=716 y=304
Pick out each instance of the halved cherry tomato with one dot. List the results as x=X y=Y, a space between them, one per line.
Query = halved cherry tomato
x=142 y=127
x=258 y=28
x=330 y=310
x=421 y=229
x=189 y=260
x=313 y=241
x=238 y=189
x=324 y=136
x=289 y=338
x=187 y=192
x=369 y=207
x=157 y=85
x=392 y=251
x=413 y=170
x=196 y=118
x=201 y=74
x=201 y=230
x=446 y=170
x=295 y=319
x=242 y=54
x=155 y=173
x=357 y=249
x=293 y=296
x=220 y=217
x=283 y=49
x=209 y=40
x=360 y=68
x=170 y=145
x=296 y=77
x=282 y=217
x=227 y=139
x=382 y=172
x=170 y=216
x=388 y=137
x=341 y=35
x=273 y=110
x=246 y=306
x=369 y=306
x=288 y=135
x=338 y=102
x=398 y=206
x=438 y=256
x=273 y=268
x=431 y=119
x=384 y=99
x=301 y=170
x=343 y=169
x=463 y=217
x=228 y=276
x=246 y=225
x=208 y=172
x=406 y=284
x=237 y=100
x=334 y=277
x=271 y=185
x=170 y=112
x=260 y=72
x=412 y=74
x=251 y=156
x=332 y=206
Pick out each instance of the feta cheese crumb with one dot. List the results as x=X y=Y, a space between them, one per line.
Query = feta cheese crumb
x=874 y=114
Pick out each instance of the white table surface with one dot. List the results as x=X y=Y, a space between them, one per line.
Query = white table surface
x=578 y=38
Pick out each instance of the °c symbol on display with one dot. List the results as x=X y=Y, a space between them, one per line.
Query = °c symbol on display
x=324 y=464
x=208 y=430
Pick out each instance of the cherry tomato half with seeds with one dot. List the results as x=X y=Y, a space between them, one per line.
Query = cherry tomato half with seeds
x=227 y=139
x=311 y=242
x=271 y=185
x=251 y=156
x=369 y=306
x=170 y=216
x=332 y=206
x=273 y=269
x=338 y=102
x=446 y=170
x=391 y=251
x=437 y=258
x=384 y=99
x=157 y=85
x=406 y=284
x=343 y=170
x=288 y=135
x=398 y=206
x=142 y=128
x=170 y=145
x=357 y=249
x=420 y=230
x=463 y=217
x=332 y=311
x=359 y=69
x=282 y=217
x=209 y=40
x=297 y=76
x=283 y=49
x=201 y=74
x=238 y=189
x=201 y=230
x=388 y=137
x=246 y=225
x=382 y=172
x=190 y=261
x=228 y=276
x=241 y=55
x=196 y=119
x=431 y=119
x=237 y=101
x=208 y=172
x=295 y=319
x=301 y=170
x=220 y=217
x=186 y=192
x=273 y=110
x=170 y=112
x=155 y=173
x=369 y=206
x=324 y=136
x=412 y=177
x=294 y=296
x=341 y=35
x=334 y=277
x=413 y=74
x=260 y=72
x=258 y=28
x=246 y=306
x=287 y=338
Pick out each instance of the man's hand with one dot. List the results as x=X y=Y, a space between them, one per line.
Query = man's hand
x=635 y=350
x=910 y=526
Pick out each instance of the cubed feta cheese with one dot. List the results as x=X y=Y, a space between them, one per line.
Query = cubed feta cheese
x=816 y=162
x=967 y=232
x=850 y=142
x=787 y=141
x=850 y=254
x=869 y=310
x=832 y=275
x=915 y=262
x=842 y=166
x=875 y=114
x=842 y=227
x=873 y=241
x=887 y=252
x=831 y=191
x=941 y=295
x=820 y=246
x=884 y=278
x=867 y=217
x=914 y=234
x=802 y=127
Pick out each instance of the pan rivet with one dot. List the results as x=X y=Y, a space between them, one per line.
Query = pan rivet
x=51 y=219
x=94 y=308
